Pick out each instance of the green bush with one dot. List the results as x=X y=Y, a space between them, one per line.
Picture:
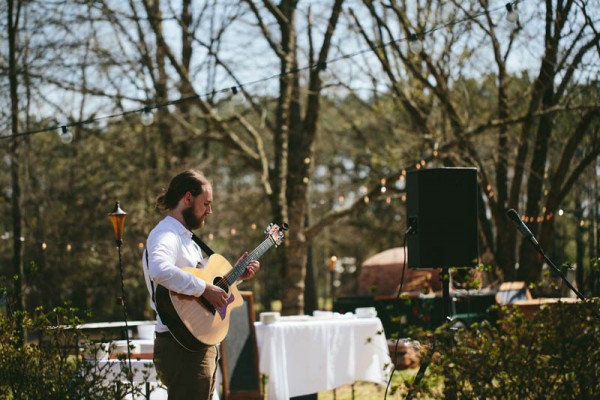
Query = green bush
x=553 y=354
x=49 y=365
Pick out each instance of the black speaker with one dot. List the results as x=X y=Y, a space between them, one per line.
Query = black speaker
x=442 y=216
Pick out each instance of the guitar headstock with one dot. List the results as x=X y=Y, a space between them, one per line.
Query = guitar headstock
x=275 y=232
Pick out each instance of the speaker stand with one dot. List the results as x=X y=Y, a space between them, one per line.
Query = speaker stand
x=447 y=303
x=447 y=307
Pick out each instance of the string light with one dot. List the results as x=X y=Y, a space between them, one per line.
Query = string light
x=65 y=135
x=401 y=183
x=147 y=117
x=511 y=13
x=415 y=45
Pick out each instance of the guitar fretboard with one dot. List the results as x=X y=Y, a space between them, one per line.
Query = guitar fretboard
x=255 y=254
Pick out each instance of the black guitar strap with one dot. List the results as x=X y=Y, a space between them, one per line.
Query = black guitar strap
x=150 y=279
x=209 y=252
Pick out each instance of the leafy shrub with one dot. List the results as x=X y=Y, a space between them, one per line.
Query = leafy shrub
x=553 y=354
x=50 y=366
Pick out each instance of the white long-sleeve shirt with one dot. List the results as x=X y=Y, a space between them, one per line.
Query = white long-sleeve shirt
x=170 y=248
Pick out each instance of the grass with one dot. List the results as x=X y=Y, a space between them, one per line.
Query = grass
x=371 y=391
x=360 y=390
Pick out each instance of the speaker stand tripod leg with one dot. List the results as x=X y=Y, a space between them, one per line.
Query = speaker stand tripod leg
x=447 y=307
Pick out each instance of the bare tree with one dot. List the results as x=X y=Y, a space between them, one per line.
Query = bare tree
x=13 y=22
x=537 y=175
x=284 y=167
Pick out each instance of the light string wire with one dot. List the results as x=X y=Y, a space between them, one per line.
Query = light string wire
x=234 y=89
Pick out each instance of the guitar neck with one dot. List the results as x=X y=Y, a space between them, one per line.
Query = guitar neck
x=239 y=268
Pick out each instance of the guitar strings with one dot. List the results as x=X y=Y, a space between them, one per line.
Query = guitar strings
x=255 y=254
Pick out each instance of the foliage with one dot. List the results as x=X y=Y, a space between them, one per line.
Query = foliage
x=47 y=367
x=329 y=155
x=554 y=352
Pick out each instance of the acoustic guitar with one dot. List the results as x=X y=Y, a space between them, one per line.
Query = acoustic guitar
x=193 y=321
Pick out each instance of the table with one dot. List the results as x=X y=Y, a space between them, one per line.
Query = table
x=144 y=377
x=147 y=384
x=307 y=355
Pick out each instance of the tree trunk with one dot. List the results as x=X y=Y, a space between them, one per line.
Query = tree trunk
x=19 y=283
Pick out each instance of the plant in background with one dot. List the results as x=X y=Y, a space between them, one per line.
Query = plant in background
x=49 y=366
x=553 y=353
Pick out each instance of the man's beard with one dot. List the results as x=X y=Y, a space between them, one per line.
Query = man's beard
x=191 y=221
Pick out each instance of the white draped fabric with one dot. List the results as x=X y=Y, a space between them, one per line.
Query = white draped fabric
x=304 y=356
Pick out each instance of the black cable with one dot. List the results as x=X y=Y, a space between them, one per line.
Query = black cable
x=408 y=232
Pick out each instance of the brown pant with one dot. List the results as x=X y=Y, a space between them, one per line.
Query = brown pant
x=187 y=375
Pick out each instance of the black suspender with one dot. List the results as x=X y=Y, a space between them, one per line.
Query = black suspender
x=196 y=239
x=209 y=252
x=149 y=278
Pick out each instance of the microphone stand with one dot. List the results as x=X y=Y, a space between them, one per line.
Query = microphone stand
x=512 y=214
x=581 y=297
x=539 y=249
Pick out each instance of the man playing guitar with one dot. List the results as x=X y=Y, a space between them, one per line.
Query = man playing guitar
x=170 y=247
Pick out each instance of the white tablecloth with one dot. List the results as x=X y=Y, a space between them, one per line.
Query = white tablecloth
x=304 y=357
x=144 y=372
x=144 y=377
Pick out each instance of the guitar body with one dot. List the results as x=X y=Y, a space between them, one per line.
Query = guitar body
x=189 y=318
x=193 y=321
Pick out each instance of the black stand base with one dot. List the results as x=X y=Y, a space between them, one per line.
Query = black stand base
x=448 y=317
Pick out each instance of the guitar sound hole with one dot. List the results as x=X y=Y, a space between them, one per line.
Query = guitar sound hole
x=222 y=283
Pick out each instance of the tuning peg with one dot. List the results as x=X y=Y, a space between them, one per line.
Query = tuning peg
x=268 y=229
x=285 y=226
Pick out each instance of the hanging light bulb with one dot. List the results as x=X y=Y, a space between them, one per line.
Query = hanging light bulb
x=147 y=117
x=325 y=73
x=322 y=67
x=65 y=135
x=511 y=13
x=415 y=45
